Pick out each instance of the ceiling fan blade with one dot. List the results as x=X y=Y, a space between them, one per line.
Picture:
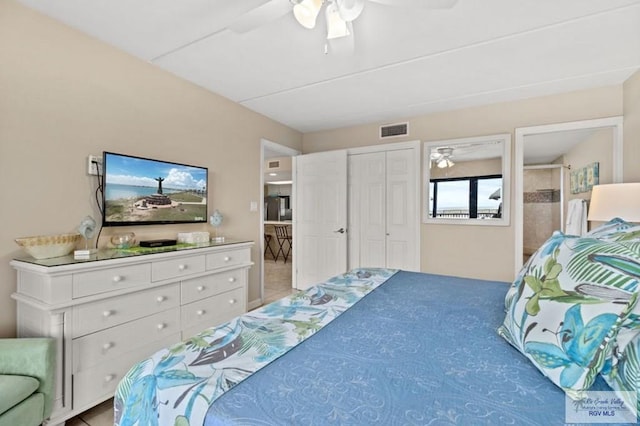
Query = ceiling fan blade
x=429 y=4
x=268 y=12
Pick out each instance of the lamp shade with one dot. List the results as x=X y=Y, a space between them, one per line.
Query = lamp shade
x=615 y=200
x=306 y=12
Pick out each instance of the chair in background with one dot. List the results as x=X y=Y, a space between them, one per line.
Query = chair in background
x=27 y=368
x=284 y=241
x=267 y=246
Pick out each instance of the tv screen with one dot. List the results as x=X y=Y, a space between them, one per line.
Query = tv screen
x=142 y=191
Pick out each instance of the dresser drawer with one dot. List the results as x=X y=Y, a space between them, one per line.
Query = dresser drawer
x=103 y=280
x=176 y=268
x=103 y=346
x=210 y=285
x=213 y=310
x=99 y=382
x=114 y=311
x=228 y=258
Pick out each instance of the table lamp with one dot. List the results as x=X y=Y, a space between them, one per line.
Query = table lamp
x=615 y=200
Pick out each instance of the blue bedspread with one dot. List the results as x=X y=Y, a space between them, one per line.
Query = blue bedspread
x=420 y=349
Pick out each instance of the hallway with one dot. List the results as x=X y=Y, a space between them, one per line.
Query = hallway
x=277 y=279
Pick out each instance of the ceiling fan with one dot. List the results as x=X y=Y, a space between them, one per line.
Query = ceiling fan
x=339 y=14
x=442 y=157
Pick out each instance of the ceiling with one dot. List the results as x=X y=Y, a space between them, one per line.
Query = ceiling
x=544 y=148
x=406 y=62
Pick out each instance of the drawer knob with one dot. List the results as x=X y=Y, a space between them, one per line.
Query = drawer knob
x=227 y=258
x=161 y=326
x=109 y=377
x=232 y=279
x=182 y=267
x=200 y=312
x=117 y=278
x=161 y=299
x=200 y=288
x=232 y=301
x=107 y=314
x=107 y=346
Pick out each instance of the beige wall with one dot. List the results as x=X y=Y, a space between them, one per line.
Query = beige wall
x=64 y=96
x=632 y=128
x=477 y=251
x=598 y=148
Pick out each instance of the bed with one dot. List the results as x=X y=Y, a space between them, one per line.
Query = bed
x=372 y=346
x=380 y=346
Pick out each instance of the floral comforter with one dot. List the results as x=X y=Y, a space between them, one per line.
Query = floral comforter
x=176 y=385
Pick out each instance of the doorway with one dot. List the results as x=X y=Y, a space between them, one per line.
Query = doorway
x=543 y=144
x=276 y=216
x=543 y=197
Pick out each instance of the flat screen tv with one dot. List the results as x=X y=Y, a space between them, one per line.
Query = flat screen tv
x=142 y=191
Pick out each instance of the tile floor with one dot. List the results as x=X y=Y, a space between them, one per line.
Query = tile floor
x=277 y=279
x=100 y=415
x=277 y=284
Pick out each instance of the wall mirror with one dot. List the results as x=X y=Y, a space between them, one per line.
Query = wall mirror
x=466 y=181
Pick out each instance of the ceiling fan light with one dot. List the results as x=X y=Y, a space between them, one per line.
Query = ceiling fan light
x=350 y=9
x=336 y=26
x=444 y=163
x=306 y=12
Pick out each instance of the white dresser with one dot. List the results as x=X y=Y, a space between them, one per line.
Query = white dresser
x=117 y=308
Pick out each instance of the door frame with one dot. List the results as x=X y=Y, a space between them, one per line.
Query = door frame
x=616 y=125
x=286 y=152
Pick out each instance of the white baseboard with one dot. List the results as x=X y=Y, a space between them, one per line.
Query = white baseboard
x=254 y=304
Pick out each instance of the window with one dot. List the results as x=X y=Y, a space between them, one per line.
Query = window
x=477 y=197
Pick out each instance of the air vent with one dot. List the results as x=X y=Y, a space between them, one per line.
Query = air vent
x=274 y=165
x=394 y=130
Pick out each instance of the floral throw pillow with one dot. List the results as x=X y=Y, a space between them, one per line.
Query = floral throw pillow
x=616 y=230
x=623 y=374
x=566 y=306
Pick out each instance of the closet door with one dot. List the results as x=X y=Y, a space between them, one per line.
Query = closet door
x=383 y=215
x=402 y=214
x=367 y=208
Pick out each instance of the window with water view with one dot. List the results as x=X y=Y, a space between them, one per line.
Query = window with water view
x=478 y=197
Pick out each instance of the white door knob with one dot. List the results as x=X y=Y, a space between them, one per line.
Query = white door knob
x=232 y=301
x=109 y=378
x=200 y=288
x=117 y=279
x=107 y=346
x=200 y=312
x=161 y=326
x=182 y=267
x=232 y=279
x=161 y=299
x=107 y=314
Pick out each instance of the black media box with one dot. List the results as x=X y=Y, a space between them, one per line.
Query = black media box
x=158 y=243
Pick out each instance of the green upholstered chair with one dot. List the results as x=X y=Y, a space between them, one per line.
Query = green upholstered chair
x=27 y=369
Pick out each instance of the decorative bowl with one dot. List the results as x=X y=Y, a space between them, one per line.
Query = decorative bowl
x=123 y=241
x=47 y=246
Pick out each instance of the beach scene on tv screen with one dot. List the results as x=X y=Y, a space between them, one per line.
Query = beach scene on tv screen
x=142 y=190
